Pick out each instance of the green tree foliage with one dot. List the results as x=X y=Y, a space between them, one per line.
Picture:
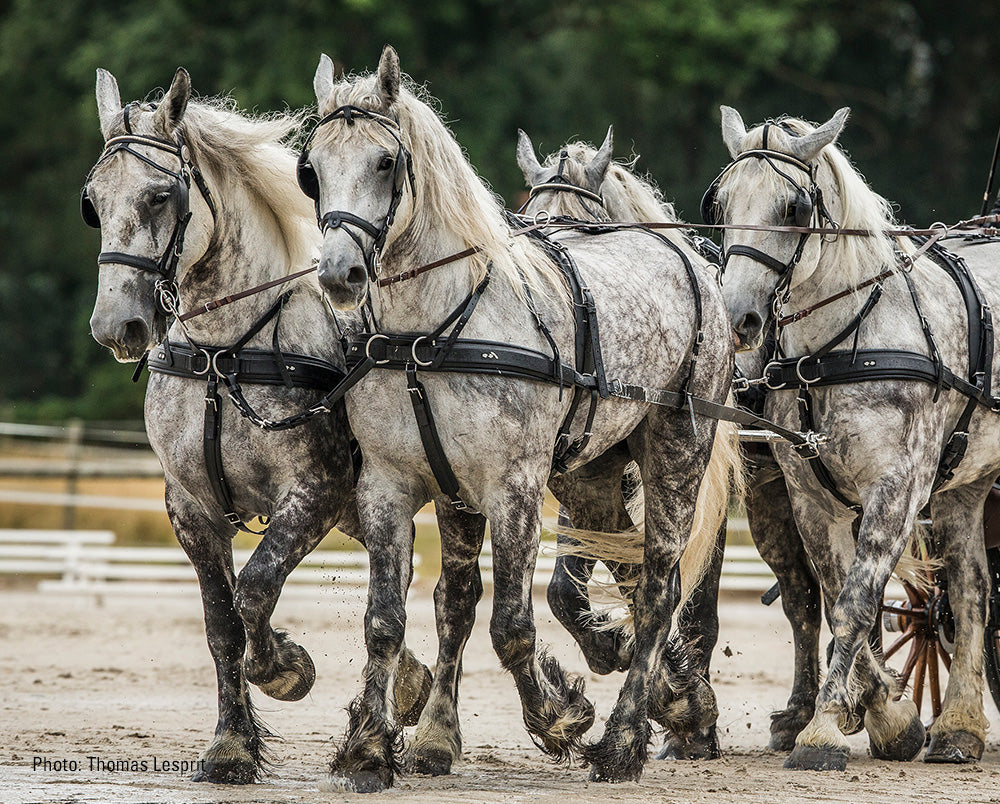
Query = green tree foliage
x=917 y=74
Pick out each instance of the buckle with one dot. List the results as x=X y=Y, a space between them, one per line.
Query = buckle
x=809 y=449
x=233 y=518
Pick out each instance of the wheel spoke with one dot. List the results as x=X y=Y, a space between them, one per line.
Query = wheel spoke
x=935 y=684
x=901 y=640
x=945 y=657
x=919 y=671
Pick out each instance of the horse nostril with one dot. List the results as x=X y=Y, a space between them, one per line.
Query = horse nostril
x=136 y=332
x=356 y=275
x=749 y=325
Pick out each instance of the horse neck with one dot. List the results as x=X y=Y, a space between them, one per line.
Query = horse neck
x=892 y=322
x=247 y=250
x=421 y=304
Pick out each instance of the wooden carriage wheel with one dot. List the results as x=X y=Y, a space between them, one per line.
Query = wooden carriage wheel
x=923 y=622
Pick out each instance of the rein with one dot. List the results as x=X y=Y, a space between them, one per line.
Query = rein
x=908 y=261
x=971 y=225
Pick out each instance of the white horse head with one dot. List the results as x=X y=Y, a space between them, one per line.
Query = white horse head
x=138 y=205
x=798 y=177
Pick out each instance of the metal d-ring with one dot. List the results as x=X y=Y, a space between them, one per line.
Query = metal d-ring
x=368 y=348
x=208 y=363
x=215 y=364
x=541 y=217
x=767 y=382
x=413 y=353
x=798 y=373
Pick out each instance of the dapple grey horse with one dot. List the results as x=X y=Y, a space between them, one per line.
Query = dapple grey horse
x=585 y=183
x=249 y=225
x=395 y=193
x=886 y=436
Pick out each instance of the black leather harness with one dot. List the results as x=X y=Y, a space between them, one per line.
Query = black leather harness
x=234 y=366
x=828 y=367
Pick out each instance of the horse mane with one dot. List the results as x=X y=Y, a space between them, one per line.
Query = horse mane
x=250 y=151
x=449 y=191
x=851 y=202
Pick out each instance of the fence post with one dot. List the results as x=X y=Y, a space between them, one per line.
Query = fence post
x=74 y=453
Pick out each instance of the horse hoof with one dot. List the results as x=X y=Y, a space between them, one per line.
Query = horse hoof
x=785 y=727
x=703 y=745
x=357 y=782
x=295 y=675
x=614 y=775
x=904 y=747
x=957 y=747
x=609 y=652
x=226 y=772
x=412 y=698
x=431 y=762
x=818 y=758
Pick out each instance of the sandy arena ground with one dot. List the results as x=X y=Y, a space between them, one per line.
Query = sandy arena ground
x=131 y=679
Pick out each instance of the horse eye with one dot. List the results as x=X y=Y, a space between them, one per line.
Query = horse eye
x=386 y=163
x=160 y=198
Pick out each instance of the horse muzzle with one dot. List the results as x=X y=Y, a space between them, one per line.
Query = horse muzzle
x=128 y=341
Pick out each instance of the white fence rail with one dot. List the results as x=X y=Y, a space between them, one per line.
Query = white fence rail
x=88 y=562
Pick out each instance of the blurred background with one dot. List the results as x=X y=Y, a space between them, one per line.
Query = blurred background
x=920 y=77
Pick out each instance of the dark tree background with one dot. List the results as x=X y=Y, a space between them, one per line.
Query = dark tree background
x=920 y=76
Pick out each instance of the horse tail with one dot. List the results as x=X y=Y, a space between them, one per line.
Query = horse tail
x=916 y=567
x=724 y=476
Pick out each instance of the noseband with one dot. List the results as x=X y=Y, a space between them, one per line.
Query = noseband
x=808 y=200
x=166 y=265
x=342 y=219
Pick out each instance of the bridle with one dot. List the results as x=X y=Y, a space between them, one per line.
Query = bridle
x=808 y=202
x=166 y=265
x=559 y=183
x=348 y=221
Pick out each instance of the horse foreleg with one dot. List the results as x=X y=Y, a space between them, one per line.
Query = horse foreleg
x=591 y=499
x=413 y=679
x=556 y=712
x=438 y=740
x=698 y=625
x=281 y=668
x=369 y=758
x=772 y=526
x=959 y=732
x=237 y=753
x=659 y=683
x=894 y=727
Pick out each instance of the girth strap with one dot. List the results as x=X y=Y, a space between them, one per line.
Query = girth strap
x=867 y=365
x=436 y=457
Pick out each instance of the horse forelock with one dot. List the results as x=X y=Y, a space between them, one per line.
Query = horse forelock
x=846 y=194
x=450 y=194
x=233 y=148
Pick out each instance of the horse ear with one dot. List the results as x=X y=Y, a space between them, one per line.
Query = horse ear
x=109 y=101
x=171 y=108
x=526 y=159
x=807 y=147
x=389 y=76
x=599 y=164
x=323 y=80
x=733 y=130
